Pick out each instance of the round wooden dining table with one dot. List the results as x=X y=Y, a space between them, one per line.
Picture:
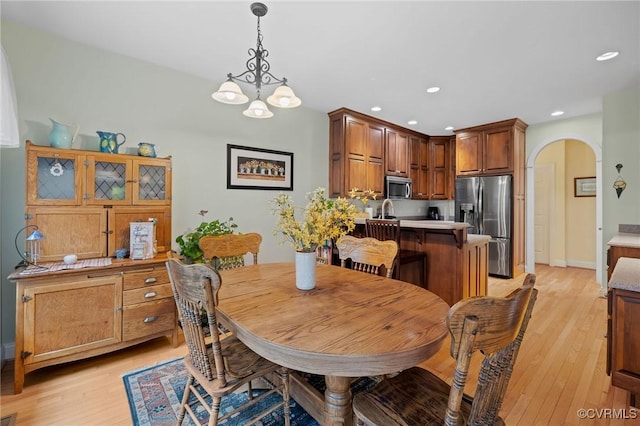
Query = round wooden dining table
x=352 y=324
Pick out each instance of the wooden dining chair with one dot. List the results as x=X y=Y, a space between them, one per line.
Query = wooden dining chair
x=218 y=367
x=389 y=229
x=368 y=255
x=228 y=251
x=494 y=326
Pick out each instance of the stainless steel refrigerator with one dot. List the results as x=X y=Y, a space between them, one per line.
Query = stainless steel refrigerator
x=485 y=204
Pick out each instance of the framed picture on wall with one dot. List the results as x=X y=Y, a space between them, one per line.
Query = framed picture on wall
x=257 y=168
x=585 y=186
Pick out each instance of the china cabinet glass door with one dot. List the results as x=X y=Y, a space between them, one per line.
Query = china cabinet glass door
x=53 y=177
x=108 y=180
x=152 y=179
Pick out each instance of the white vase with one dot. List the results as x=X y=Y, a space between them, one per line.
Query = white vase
x=369 y=212
x=305 y=270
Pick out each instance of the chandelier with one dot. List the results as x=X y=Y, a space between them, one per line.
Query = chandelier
x=257 y=74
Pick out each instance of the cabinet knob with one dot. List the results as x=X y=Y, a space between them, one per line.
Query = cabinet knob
x=147 y=320
x=150 y=295
x=150 y=280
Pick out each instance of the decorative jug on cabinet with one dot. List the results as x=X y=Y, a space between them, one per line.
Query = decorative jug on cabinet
x=109 y=141
x=146 y=149
x=60 y=135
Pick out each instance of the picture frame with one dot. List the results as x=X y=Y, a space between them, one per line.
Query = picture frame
x=585 y=186
x=257 y=168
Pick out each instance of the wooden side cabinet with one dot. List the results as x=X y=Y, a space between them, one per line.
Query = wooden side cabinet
x=75 y=314
x=623 y=327
x=624 y=332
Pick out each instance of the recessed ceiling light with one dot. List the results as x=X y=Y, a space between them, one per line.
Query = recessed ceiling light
x=449 y=128
x=412 y=122
x=557 y=113
x=376 y=108
x=608 y=55
x=433 y=89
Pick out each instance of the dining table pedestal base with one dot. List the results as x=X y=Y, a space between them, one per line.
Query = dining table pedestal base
x=337 y=397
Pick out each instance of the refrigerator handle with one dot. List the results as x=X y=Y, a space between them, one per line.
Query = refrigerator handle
x=480 y=214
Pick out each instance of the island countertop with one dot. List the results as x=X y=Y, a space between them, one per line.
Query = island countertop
x=623 y=239
x=425 y=224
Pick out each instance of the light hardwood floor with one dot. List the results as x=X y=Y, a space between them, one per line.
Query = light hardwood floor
x=560 y=368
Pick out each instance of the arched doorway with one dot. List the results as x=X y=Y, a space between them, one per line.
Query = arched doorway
x=531 y=205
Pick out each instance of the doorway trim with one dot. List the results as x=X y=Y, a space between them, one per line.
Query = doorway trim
x=530 y=231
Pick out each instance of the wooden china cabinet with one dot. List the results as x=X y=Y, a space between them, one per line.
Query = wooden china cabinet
x=82 y=202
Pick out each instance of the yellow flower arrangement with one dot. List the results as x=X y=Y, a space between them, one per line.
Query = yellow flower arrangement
x=322 y=219
x=363 y=195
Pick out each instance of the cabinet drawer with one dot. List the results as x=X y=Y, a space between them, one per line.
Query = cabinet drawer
x=145 y=278
x=148 y=318
x=146 y=294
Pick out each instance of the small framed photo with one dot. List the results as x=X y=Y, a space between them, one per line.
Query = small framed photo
x=257 y=168
x=585 y=186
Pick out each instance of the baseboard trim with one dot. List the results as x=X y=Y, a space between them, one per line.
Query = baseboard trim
x=8 y=351
x=581 y=264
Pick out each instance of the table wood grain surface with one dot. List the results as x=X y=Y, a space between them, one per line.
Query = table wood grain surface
x=352 y=324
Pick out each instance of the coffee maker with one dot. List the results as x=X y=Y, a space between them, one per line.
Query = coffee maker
x=433 y=213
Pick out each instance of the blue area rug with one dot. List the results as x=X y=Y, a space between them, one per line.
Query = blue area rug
x=155 y=392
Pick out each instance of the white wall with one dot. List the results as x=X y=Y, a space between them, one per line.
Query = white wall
x=614 y=136
x=621 y=144
x=74 y=83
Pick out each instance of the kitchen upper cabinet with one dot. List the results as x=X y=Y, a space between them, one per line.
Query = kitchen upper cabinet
x=440 y=172
x=491 y=149
x=430 y=168
x=364 y=149
x=397 y=153
x=419 y=167
x=356 y=154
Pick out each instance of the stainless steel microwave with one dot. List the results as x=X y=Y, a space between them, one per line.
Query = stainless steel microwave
x=397 y=187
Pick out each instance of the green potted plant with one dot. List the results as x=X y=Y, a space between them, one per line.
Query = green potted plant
x=188 y=242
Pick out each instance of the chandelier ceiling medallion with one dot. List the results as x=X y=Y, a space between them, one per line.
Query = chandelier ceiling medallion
x=257 y=74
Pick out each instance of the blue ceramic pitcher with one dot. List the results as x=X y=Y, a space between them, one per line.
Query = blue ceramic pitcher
x=109 y=141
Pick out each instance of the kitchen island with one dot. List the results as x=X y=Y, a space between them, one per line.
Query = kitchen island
x=456 y=262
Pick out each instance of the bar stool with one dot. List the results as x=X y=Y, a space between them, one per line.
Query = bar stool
x=389 y=229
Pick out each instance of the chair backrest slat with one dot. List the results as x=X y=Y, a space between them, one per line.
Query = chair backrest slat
x=367 y=254
x=496 y=327
x=227 y=251
x=383 y=229
x=195 y=289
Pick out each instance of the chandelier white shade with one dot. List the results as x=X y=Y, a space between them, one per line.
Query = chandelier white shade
x=257 y=74
x=283 y=97
x=258 y=109
x=230 y=93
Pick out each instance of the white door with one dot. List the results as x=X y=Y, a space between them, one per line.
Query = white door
x=544 y=196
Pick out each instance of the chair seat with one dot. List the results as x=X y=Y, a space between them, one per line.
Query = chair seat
x=242 y=363
x=428 y=395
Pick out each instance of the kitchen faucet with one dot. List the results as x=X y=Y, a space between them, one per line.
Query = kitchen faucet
x=384 y=203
